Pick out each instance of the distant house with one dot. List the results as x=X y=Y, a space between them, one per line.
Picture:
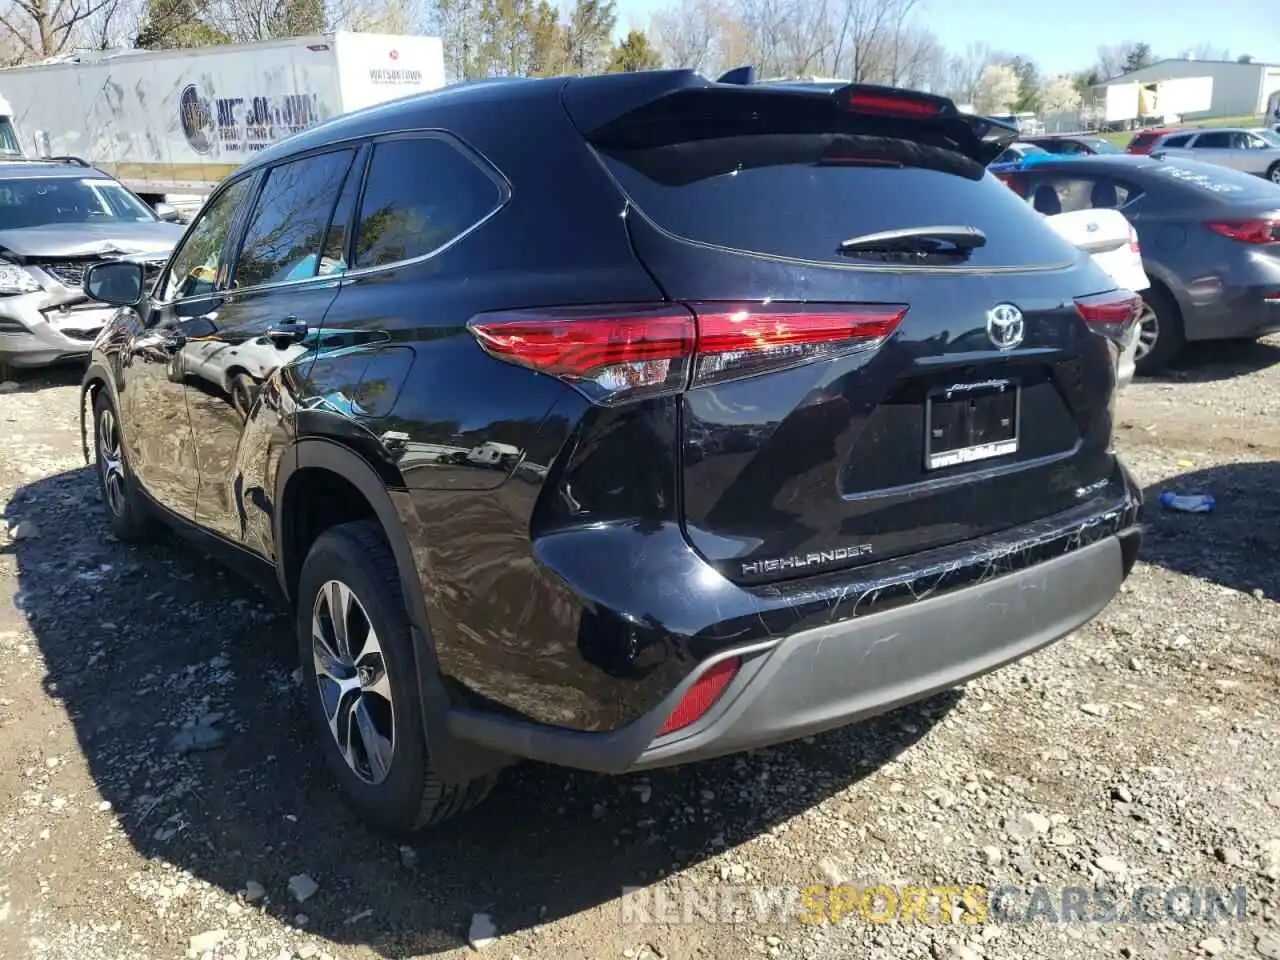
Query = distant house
x=1239 y=89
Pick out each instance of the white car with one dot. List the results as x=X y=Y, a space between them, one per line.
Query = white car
x=1108 y=237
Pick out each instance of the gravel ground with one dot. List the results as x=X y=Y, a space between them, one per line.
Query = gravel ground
x=1140 y=751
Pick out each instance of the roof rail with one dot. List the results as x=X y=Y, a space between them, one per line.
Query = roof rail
x=78 y=161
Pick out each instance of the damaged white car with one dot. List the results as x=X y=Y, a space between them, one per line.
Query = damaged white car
x=57 y=217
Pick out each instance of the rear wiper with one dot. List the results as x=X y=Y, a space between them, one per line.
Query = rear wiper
x=921 y=242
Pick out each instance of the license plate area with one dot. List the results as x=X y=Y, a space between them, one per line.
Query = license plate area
x=968 y=422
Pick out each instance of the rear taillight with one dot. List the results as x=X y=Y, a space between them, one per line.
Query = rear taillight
x=1134 y=246
x=620 y=353
x=1259 y=231
x=1110 y=313
x=702 y=696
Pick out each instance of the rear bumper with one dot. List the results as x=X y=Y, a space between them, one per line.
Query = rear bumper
x=832 y=675
x=1240 y=313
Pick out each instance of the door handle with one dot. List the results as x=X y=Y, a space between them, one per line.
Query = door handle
x=286 y=332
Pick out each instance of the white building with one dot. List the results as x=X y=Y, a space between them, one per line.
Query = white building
x=1239 y=89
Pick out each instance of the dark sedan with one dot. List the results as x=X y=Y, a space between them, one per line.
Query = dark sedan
x=1076 y=145
x=1210 y=241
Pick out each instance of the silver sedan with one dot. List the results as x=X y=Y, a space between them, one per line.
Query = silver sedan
x=1253 y=150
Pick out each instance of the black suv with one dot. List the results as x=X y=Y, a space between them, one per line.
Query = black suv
x=623 y=421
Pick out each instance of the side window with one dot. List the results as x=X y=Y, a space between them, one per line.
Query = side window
x=1254 y=142
x=419 y=194
x=1179 y=141
x=194 y=269
x=1070 y=147
x=1213 y=141
x=287 y=227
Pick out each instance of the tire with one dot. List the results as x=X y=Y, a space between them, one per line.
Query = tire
x=393 y=785
x=1167 y=338
x=127 y=515
x=1273 y=174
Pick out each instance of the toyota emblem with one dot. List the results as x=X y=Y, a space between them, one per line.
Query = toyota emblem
x=1005 y=326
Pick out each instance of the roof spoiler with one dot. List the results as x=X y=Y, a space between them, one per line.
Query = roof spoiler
x=637 y=108
x=743 y=76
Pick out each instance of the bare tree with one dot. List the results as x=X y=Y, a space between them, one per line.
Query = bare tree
x=687 y=34
x=46 y=28
x=964 y=71
x=114 y=26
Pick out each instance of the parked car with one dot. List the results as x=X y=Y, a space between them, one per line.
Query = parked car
x=1255 y=150
x=1209 y=235
x=1018 y=152
x=1076 y=144
x=1143 y=140
x=56 y=218
x=1112 y=242
x=773 y=471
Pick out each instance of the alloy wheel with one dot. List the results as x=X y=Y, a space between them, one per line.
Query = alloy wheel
x=1148 y=330
x=111 y=461
x=351 y=674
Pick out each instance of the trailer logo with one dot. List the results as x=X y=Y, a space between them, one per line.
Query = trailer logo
x=197 y=119
x=395 y=75
x=243 y=124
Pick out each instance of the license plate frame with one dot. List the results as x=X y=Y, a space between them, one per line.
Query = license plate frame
x=968 y=423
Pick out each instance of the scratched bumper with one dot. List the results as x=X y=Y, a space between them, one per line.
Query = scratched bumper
x=835 y=674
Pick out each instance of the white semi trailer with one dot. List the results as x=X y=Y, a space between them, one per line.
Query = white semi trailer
x=178 y=121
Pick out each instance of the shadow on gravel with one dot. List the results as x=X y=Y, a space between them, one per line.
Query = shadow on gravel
x=32 y=381
x=1212 y=360
x=139 y=641
x=1236 y=545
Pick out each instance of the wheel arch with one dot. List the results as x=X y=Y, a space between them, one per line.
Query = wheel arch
x=454 y=760
x=95 y=378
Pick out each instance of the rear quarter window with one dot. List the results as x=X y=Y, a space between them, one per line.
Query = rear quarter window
x=421 y=194
x=798 y=196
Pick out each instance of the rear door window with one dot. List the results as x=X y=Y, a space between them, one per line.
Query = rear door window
x=420 y=194
x=1212 y=141
x=798 y=196
x=1179 y=141
x=287 y=226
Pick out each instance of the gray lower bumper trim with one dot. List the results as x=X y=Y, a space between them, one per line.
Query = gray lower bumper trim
x=831 y=676
x=837 y=674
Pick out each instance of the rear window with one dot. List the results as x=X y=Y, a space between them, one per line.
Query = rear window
x=800 y=195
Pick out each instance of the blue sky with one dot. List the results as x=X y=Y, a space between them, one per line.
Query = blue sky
x=1065 y=36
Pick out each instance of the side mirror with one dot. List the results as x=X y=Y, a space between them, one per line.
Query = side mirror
x=167 y=212
x=118 y=283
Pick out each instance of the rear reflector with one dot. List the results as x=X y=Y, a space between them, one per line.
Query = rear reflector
x=700 y=697
x=1110 y=313
x=620 y=353
x=1259 y=231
